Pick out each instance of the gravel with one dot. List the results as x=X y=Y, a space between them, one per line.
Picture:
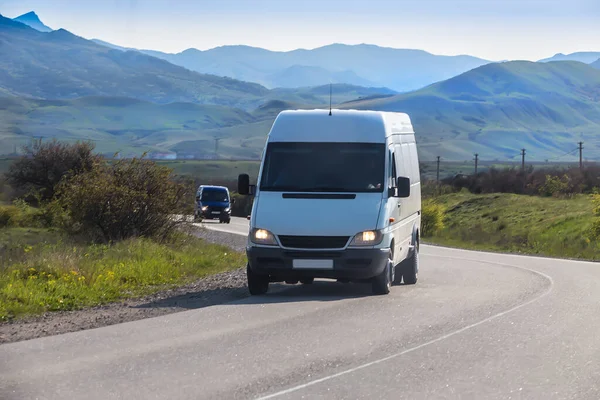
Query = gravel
x=215 y=289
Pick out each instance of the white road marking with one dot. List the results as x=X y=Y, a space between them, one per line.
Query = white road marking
x=441 y=338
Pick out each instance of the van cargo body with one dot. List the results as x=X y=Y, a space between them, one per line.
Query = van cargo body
x=338 y=196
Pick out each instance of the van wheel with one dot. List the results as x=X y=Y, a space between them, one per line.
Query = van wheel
x=381 y=283
x=307 y=281
x=410 y=266
x=257 y=284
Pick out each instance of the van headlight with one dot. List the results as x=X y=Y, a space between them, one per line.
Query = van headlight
x=367 y=238
x=204 y=208
x=263 y=236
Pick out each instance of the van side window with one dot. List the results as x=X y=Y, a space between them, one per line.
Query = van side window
x=393 y=174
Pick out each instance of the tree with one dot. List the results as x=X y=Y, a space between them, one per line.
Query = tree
x=38 y=172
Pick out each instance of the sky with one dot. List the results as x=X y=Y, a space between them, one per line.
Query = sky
x=491 y=29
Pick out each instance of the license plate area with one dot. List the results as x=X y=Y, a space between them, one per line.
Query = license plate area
x=312 y=264
x=216 y=212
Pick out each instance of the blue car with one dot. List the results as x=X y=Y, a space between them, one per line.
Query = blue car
x=213 y=202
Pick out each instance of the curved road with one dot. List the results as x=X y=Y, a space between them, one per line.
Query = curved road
x=476 y=326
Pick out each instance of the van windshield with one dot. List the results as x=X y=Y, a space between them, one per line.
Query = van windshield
x=214 y=195
x=324 y=167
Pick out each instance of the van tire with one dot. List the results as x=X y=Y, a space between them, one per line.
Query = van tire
x=410 y=266
x=381 y=283
x=257 y=284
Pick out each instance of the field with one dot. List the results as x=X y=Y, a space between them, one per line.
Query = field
x=41 y=271
x=519 y=224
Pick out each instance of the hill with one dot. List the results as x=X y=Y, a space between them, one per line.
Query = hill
x=133 y=126
x=60 y=65
x=596 y=64
x=299 y=75
x=497 y=109
x=398 y=69
x=31 y=19
x=586 y=57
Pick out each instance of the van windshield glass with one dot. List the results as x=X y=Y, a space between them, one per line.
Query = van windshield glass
x=324 y=167
x=214 y=195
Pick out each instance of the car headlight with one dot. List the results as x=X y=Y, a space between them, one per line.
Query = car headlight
x=204 y=208
x=367 y=238
x=227 y=209
x=263 y=236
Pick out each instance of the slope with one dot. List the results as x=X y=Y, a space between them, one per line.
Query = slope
x=497 y=109
x=113 y=123
x=596 y=64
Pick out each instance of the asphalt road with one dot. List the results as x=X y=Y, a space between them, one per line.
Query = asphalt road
x=476 y=326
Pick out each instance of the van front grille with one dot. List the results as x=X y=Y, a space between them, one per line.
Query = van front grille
x=314 y=242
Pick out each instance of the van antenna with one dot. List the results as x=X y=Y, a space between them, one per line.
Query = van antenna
x=330 y=91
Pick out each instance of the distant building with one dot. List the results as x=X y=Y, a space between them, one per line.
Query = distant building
x=162 y=156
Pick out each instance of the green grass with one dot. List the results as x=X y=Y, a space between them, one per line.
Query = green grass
x=53 y=275
x=520 y=224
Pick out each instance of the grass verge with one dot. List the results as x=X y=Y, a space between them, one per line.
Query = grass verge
x=46 y=272
x=519 y=224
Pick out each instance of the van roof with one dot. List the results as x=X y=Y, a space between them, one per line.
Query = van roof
x=212 y=187
x=363 y=126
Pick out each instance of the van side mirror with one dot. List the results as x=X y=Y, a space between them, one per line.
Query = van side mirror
x=403 y=187
x=232 y=201
x=244 y=184
x=197 y=198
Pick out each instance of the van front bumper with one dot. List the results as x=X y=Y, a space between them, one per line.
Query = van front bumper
x=349 y=264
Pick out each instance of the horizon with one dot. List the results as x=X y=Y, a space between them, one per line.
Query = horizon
x=495 y=30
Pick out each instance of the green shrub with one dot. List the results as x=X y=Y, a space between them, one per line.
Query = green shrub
x=128 y=198
x=20 y=214
x=432 y=218
x=555 y=186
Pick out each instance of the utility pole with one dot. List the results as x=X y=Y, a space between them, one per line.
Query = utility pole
x=523 y=160
x=580 y=156
x=217 y=147
x=476 y=160
x=438 y=171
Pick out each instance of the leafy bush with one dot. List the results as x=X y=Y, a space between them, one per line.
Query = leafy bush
x=555 y=186
x=432 y=218
x=20 y=214
x=129 y=198
x=37 y=173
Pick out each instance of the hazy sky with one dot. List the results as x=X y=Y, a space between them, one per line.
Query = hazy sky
x=492 y=29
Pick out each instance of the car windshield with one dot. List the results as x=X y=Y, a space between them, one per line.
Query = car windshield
x=324 y=167
x=214 y=195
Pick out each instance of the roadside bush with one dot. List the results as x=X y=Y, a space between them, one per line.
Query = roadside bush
x=543 y=181
x=432 y=218
x=36 y=174
x=129 y=198
x=595 y=229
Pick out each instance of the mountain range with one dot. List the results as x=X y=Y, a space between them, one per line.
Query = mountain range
x=57 y=84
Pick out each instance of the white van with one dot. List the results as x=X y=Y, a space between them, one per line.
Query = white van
x=338 y=196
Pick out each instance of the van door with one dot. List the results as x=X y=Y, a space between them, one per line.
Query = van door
x=393 y=203
x=407 y=208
